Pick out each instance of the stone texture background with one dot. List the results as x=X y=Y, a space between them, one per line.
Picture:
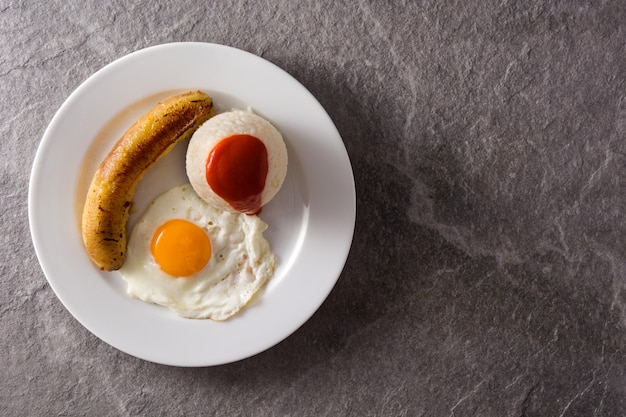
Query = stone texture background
x=488 y=270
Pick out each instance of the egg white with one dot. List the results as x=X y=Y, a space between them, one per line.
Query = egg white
x=241 y=260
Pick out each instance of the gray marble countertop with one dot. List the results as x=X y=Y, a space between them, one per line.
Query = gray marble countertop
x=487 y=274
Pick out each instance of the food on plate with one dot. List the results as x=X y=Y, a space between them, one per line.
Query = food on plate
x=195 y=259
x=237 y=161
x=108 y=202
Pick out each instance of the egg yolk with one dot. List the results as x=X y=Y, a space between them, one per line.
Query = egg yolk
x=180 y=248
x=236 y=171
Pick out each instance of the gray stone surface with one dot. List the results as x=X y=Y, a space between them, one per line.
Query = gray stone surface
x=488 y=270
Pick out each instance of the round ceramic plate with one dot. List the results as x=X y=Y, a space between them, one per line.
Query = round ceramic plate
x=311 y=220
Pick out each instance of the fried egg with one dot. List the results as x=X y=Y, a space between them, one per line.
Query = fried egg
x=196 y=259
x=237 y=161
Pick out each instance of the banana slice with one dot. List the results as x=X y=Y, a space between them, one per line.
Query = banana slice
x=107 y=207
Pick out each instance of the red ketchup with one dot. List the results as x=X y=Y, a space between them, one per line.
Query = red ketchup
x=236 y=170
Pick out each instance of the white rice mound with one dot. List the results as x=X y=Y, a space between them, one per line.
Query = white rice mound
x=222 y=126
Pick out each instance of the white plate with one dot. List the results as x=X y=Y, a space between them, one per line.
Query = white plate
x=311 y=220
